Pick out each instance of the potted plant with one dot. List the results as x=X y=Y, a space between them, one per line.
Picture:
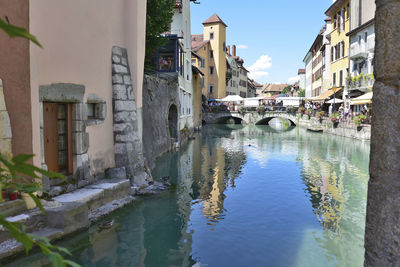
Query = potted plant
x=320 y=115
x=261 y=109
x=335 y=119
x=242 y=110
x=358 y=120
x=12 y=194
x=301 y=110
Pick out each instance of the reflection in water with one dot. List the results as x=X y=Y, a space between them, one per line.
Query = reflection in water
x=244 y=195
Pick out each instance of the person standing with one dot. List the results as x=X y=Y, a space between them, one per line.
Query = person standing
x=330 y=109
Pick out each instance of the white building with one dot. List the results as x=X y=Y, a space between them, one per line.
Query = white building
x=326 y=55
x=308 y=64
x=362 y=46
x=180 y=26
x=302 y=78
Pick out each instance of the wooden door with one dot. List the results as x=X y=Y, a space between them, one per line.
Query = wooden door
x=50 y=133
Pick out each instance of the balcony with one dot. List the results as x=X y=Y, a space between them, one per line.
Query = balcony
x=358 y=51
x=362 y=82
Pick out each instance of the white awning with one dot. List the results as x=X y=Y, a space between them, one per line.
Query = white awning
x=232 y=98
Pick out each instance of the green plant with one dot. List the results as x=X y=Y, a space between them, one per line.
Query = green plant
x=359 y=119
x=261 y=109
x=18 y=175
x=158 y=19
x=334 y=117
x=242 y=110
x=320 y=114
x=13 y=31
x=302 y=93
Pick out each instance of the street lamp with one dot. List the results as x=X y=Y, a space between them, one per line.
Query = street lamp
x=334 y=88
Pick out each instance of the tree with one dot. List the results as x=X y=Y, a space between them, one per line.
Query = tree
x=158 y=20
x=286 y=90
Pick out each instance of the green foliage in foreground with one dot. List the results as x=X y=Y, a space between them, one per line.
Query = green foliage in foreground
x=14 y=31
x=159 y=16
x=19 y=175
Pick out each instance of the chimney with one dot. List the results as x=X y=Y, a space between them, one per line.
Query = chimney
x=234 y=50
x=228 y=49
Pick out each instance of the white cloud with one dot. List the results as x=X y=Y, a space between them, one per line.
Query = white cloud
x=294 y=79
x=242 y=46
x=258 y=71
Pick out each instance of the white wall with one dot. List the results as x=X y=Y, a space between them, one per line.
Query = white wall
x=308 y=67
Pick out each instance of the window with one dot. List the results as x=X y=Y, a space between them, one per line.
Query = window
x=365 y=37
x=224 y=47
x=211 y=36
x=348 y=10
x=342 y=20
x=211 y=88
x=193 y=61
x=202 y=82
x=189 y=104
x=188 y=72
x=211 y=70
x=341 y=78
x=332 y=54
x=334 y=79
x=90 y=111
x=211 y=54
x=343 y=49
x=203 y=63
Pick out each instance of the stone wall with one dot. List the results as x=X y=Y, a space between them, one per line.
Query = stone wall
x=344 y=129
x=128 y=145
x=382 y=231
x=159 y=93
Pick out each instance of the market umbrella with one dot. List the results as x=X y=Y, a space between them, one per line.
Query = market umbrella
x=232 y=98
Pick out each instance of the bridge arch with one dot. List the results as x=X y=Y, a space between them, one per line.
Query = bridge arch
x=266 y=120
x=226 y=119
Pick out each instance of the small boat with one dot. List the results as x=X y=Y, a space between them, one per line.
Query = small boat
x=315 y=130
x=106 y=225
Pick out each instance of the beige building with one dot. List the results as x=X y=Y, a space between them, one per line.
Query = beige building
x=60 y=97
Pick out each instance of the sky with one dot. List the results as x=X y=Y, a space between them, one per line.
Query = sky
x=272 y=37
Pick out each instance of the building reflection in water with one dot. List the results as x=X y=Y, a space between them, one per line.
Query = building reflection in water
x=156 y=231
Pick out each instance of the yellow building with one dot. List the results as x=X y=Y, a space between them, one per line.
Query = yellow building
x=215 y=33
x=201 y=59
x=339 y=12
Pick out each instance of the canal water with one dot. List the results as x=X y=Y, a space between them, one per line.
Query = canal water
x=243 y=196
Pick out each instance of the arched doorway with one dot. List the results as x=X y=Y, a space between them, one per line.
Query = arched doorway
x=173 y=121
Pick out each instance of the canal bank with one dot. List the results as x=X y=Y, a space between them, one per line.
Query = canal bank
x=229 y=186
x=345 y=129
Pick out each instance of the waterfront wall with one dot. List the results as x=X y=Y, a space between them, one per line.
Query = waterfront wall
x=344 y=129
x=160 y=95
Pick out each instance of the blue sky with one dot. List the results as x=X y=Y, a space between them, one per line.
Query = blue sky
x=277 y=34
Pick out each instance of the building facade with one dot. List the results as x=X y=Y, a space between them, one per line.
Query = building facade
x=68 y=100
x=180 y=27
x=308 y=68
x=339 y=13
x=215 y=33
x=317 y=56
x=362 y=46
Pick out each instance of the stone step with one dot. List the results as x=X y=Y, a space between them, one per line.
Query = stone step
x=12 y=208
x=98 y=194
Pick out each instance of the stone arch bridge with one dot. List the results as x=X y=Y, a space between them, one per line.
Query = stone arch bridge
x=250 y=117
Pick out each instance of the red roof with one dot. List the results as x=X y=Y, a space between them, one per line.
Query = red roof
x=214 y=19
